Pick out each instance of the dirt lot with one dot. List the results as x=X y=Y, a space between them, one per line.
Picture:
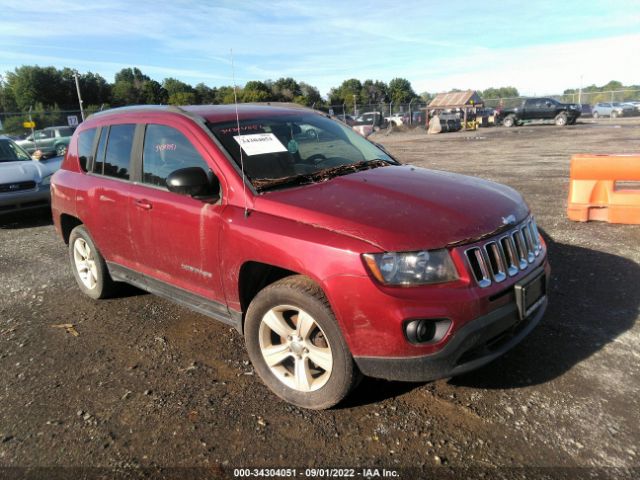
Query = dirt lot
x=147 y=384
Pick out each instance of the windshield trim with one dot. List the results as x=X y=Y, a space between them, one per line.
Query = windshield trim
x=320 y=176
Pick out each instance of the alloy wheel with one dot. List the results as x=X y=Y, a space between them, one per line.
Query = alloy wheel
x=85 y=263
x=295 y=348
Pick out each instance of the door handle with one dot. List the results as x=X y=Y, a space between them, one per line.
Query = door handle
x=144 y=204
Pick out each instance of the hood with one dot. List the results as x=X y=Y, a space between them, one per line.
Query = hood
x=25 y=171
x=400 y=208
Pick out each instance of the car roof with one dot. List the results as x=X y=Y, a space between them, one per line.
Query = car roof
x=214 y=113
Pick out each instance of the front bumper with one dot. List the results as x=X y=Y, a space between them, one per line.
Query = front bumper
x=25 y=199
x=474 y=345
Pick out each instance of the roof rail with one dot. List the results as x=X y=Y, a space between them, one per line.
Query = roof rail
x=146 y=108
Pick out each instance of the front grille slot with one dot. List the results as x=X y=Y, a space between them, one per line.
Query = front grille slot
x=16 y=187
x=506 y=256
x=496 y=260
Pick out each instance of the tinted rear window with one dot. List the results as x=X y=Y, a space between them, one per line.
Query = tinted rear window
x=85 y=147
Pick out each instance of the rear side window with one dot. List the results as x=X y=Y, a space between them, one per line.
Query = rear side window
x=114 y=151
x=165 y=151
x=102 y=145
x=85 y=147
x=65 y=132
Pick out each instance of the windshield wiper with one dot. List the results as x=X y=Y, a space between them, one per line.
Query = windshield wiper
x=323 y=175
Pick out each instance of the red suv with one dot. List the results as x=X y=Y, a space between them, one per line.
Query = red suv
x=330 y=257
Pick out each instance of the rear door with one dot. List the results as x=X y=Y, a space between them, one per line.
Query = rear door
x=175 y=236
x=44 y=140
x=107 y=216
x=529 y=109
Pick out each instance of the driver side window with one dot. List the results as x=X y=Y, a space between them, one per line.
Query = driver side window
x=165 y=151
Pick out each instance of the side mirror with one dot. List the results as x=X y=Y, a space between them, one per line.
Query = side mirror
x=193 y=181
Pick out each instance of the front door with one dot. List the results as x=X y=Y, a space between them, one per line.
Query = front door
x=175 y=236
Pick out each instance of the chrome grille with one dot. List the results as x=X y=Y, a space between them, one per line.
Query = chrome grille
x=16 y=187
x=506 y=255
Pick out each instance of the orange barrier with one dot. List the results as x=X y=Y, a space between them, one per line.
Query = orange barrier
x=597 y=188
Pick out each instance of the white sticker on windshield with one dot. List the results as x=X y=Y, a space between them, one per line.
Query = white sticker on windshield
x=260 y=143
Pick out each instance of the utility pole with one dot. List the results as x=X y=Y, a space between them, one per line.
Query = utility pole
x=75 y=75
x=355 y=107
x=33 y=132
x=580 y=92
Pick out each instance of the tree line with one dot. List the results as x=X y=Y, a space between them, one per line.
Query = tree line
x=50 y=88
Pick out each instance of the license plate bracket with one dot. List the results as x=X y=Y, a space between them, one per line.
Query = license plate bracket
x=530 y=294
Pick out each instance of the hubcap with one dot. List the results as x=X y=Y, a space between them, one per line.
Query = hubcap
x=85 y=263
x=295 y=348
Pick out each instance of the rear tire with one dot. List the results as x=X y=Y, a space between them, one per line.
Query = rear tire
x=561 y=119
x=88 y=265
x=296 y=345
x=509 y=121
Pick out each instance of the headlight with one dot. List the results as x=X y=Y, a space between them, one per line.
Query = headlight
x=411 y=268
x=46 y=180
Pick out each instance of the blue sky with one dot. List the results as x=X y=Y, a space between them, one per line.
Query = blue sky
x=537 y=46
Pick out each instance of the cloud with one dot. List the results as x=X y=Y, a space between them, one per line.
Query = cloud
x=436 y=46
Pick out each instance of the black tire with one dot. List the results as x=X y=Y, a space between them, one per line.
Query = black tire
x=509 y=121
x=561 y=119
x=302 y=295
x=104 y=286
x=61 y=150
x=572 y=121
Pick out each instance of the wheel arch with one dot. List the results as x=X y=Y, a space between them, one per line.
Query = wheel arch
x=67 y=224
x=254 y=276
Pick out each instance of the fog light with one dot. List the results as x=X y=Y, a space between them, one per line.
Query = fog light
x=426 y=330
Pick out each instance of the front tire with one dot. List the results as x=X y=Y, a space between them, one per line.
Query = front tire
x=61 y=150
x=88 y=265
x=296 y=346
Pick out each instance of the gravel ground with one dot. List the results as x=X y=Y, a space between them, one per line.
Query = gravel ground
x=148 y=388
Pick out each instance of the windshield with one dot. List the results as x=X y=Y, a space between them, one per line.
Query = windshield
x=10 y=152
x=293 y=149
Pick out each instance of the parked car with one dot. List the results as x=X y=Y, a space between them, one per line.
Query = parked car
x=374 y=119
x=613 y=110
x=51 y=141
x=541 y=109
x=634 y=108
x=396 y=119
x=348 y=119
x=587 y=110
x=330 y=257
x=24 y=182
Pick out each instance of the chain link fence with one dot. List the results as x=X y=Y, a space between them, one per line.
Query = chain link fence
x=377 y=114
